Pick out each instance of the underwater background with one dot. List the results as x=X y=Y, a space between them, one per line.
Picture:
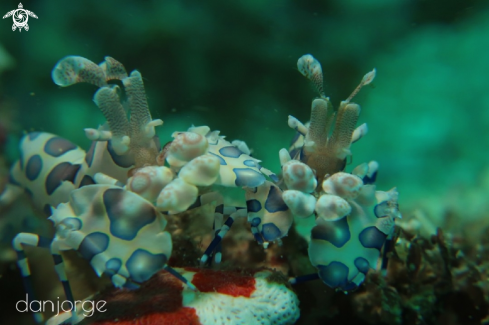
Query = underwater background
x=232 y=65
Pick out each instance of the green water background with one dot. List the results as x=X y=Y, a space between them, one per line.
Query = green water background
x=232 y=65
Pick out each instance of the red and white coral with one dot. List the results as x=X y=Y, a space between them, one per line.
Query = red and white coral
x=224 y=297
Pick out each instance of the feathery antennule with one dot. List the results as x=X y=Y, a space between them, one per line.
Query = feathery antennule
x=136 y=99
x=113 y=69
x=318 y=130
x=107 y=99
x=346 y=121
x=322 y=145
x=311 y=69
x=76 y=69
x=135 y=133
x=367 y=79
x=141 y=126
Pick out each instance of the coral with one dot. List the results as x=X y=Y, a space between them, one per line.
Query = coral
x=428 y=281
x=224 y=297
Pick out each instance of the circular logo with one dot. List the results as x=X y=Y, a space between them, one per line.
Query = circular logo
x=20 y=18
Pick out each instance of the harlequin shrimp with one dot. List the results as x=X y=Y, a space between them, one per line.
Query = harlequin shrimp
x=109 y=203
x=50 y=167
x=116 y=227
x=353 y=220
x=269 y=217
x=198 y=151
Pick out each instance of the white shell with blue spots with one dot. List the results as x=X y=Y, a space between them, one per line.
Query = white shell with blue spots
x=268 y=212
x=344 y=249
x=117 y=231
x=50 y=167
x=237 y=168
